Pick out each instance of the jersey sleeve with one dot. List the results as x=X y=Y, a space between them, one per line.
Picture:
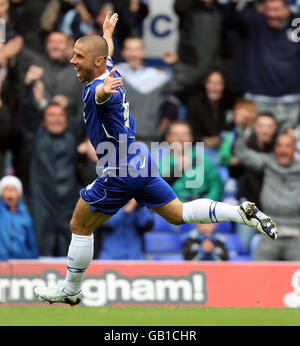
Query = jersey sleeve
x=109 y=63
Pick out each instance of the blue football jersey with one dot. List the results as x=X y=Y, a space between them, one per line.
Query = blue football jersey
x=109 y=124
x=125 y=168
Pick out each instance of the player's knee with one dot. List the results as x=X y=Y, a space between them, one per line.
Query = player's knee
x=176 y=220
x=73 y=225
x=76 y=228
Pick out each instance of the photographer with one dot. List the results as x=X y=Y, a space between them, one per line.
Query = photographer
x=202 y=244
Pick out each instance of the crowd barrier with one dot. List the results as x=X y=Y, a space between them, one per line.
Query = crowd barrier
x=213 y=284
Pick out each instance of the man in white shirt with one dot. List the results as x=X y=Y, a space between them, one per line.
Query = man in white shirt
x=145 y=88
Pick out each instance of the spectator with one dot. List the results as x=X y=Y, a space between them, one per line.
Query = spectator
x=124 y=238
x=54 y=70
x=17 y=237
x=144 y=86
x=9 y=92
x=131 y=16
x=79 y=21
x=271 y=66
x=279 y=196
x=9 y=79
x=198 y=20
x=200 y=178
x=202 y=244
x=86 y=163
x=207 y=108
x=26 y=19
x=53 y=182
x=245 y=114
x=295 y=132
x=87 y=17
x=262 y=141
x=54 y=12
x=248 y=179
x=5 y=133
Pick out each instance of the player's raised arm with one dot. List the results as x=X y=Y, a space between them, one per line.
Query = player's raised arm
x=108 y=30
x=105 y=90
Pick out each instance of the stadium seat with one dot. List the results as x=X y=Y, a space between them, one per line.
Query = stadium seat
x=160 y=224
x=224 y=227
x=212 y=153
x=185 y=228
x=158 y=242
x=234 y=244
x=254 y=243
x=230 y=189
x=224 y=173
x=167 y=257
x=241 y=258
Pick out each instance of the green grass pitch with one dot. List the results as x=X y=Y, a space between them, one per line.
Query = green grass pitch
x=55 y=315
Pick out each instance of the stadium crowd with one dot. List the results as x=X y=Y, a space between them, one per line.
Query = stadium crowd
x=232 y=83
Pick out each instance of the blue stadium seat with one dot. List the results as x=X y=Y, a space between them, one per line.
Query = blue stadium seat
x=167 y=257
x=224 y=227
x=185 y=228
x=160 y=224
x=241 y=258
x=234 y=244
x=213 y=155
x=158 y=242
x=224 y=173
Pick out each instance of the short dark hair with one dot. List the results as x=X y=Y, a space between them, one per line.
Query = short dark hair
x=56 y=32
x=285 y=2
x=54 y=104
x=133 y=37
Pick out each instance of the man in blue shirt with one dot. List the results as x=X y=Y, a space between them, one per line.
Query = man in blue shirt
x=111 y=130
x=272 y=50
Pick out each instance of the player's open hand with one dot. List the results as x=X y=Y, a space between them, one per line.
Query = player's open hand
x=111 y=83
x=110 y=23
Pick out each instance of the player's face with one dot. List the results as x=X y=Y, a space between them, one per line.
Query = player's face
x=83 y=63
x=55 y=120
x=285 y=150
x=276 y=13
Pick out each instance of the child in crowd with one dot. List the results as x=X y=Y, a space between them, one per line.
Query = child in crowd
x=17 y=237
x=202 y=244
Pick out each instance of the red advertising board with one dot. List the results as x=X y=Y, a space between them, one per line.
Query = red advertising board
x=231 y=284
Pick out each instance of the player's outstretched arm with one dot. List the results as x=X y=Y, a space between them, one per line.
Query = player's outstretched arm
x=108 y=30
x=105 y=90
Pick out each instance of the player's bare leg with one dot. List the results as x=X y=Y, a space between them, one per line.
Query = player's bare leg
x=208 y=211
x=80 y=255
x=171 y=212
x=84 y=220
